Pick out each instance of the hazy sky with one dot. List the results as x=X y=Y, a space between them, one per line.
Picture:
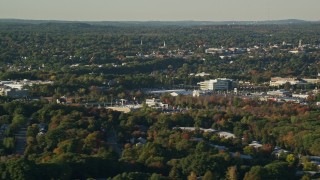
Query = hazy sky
x=145 y=10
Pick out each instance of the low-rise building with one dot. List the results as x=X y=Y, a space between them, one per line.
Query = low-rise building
x=175 y=91
x=15 y=89
x=220 y=148
x=13 y=92
x=156 y=103
x=311 y=81
x=20 y=84
x=202 y=74
x=214 y=51
x=255 y=144
x=16 y=93
x=278 y=152
x=210 y=130
x=242 y=156
x=302 y=96
x=278 y=81
x=153 y=102
x=226 y=135
x=2 y=90
x=280 y=92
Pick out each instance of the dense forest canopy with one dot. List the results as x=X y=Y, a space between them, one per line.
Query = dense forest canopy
x=108 y=62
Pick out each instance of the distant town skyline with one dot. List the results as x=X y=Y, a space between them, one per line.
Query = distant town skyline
x=164 y=10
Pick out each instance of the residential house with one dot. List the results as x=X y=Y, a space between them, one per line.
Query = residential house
x=226 y=135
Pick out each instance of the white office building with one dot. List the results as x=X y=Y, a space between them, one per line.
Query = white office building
x=216 y=84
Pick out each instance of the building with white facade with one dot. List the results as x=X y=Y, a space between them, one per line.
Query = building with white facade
x=278 y=81
x=226 y=135
x=216 y=84
x=311 y=81
x=202 y=74
x=214 y=51
x=280 y=92
x=16 y=89
x=155 y=103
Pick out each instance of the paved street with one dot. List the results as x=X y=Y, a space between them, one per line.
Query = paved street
x=21 y=140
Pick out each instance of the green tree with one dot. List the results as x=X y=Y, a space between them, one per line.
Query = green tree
x=91 y=141
x=19 y=120
x=306 y=177
x=155 y=176
x=53 y=137
x=209 y=176
x=21 y=169
x=5 y=119
x=4 y=174
x=131 y=175
x=279 y=170
x=249 y=150
x=291 y=159
x=314 y=149
x=231 y=173
x=192 y=176
x=8 y=143
x=256 y=173
x=33 y=130
x=309 y=166
x=175 y=173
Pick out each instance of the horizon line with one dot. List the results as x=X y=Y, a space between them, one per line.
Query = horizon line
x=265 y=20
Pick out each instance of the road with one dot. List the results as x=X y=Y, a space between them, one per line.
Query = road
x=21 y=141
x=112 y=141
